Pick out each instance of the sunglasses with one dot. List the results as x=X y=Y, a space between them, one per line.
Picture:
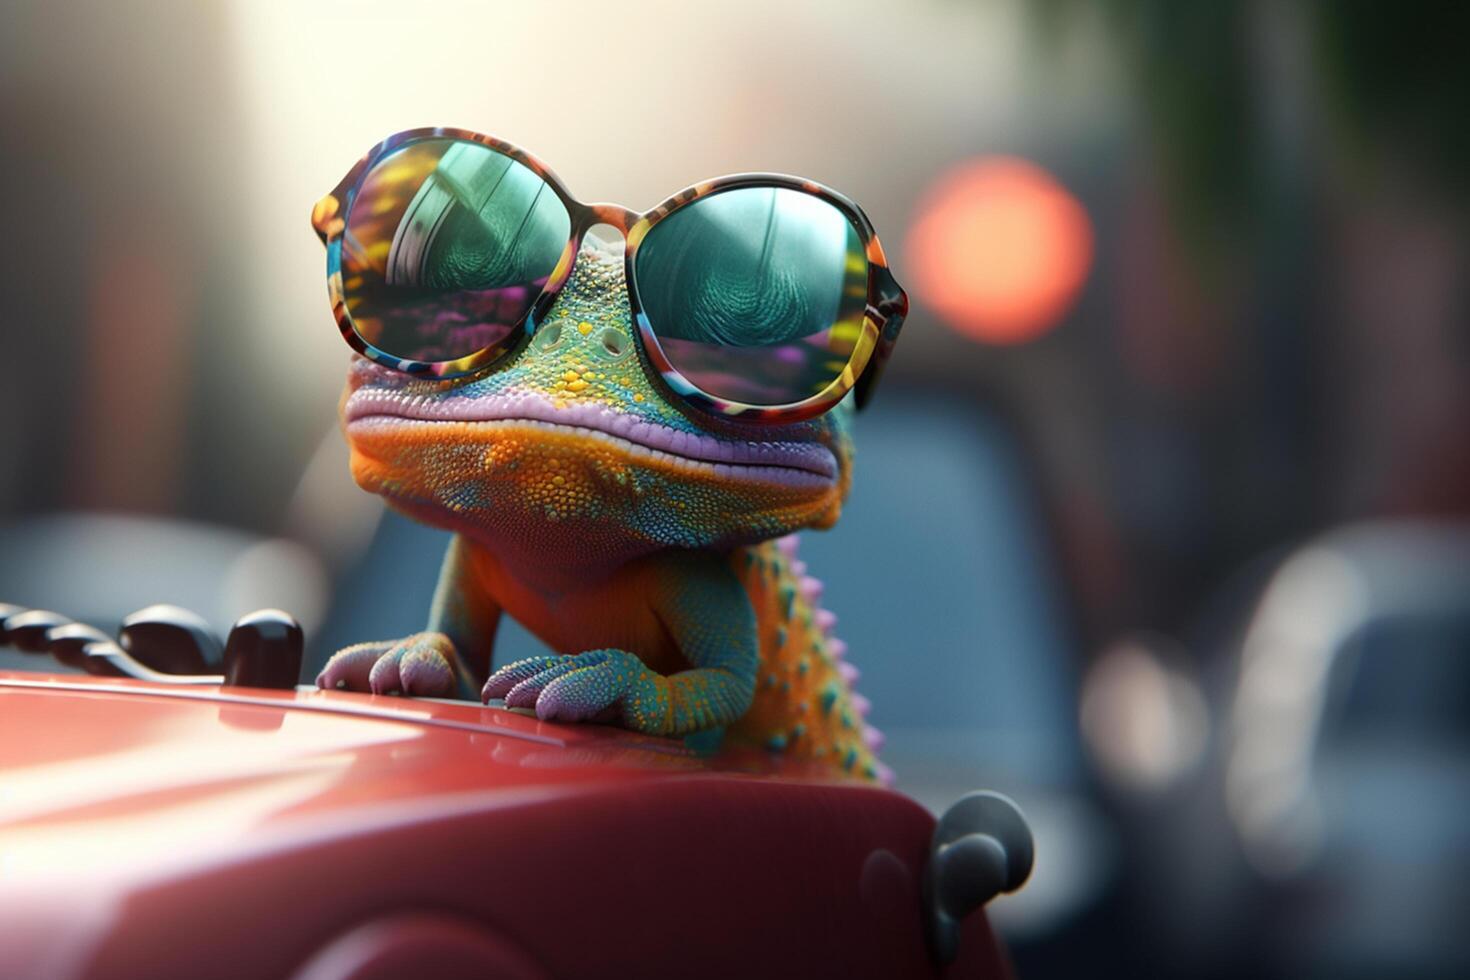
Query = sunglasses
x=757 y=296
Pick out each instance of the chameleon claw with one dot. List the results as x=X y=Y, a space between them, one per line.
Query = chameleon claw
x=582 y=687
x=506 y=678
x=418 y=665
x=587 y=692
x=423 y=669
x=524 y=694
x=349 y=668
x=383 y=679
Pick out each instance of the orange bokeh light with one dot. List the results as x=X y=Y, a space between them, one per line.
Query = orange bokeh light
x=999 y=249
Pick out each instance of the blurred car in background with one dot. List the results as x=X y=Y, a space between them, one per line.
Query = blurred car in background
x=1322 y=833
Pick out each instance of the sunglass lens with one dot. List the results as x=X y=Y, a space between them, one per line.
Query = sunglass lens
x=448 y=245
x=756 y=294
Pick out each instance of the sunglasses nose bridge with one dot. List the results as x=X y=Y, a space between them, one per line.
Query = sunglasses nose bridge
x=615 y=215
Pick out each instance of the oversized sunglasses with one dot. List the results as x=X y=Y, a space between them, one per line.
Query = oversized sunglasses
x=757 y=296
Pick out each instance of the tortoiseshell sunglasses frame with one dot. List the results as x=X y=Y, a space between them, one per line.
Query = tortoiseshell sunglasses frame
x=887 y=304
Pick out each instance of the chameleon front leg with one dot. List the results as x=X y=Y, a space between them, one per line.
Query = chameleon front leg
x=707 y=612
x=447 y=658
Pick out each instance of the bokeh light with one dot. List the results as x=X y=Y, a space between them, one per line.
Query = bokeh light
x=1000 y=249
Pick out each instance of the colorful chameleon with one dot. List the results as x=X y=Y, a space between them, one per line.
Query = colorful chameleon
x=656 y=552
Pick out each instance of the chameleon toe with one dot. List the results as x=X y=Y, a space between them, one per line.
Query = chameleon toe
x=423 y=671
x=349 y=668
x=589 y=691
x=506 y=678
x=384 y=678
x=526 y=693
x=578 y=696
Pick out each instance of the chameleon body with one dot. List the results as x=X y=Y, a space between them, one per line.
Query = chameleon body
x=650 y=546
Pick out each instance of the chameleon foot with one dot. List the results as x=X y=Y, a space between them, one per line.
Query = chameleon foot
x=417 y=665
x=591 y=686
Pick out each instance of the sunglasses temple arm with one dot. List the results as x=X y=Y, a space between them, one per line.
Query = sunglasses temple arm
x=863 y=390
x=893 y=308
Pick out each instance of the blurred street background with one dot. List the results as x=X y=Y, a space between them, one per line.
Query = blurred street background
x=1161 y=518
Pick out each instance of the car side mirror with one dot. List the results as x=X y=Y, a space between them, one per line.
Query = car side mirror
x=981 y=848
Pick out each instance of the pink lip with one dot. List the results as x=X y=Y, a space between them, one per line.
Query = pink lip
x=779 y=461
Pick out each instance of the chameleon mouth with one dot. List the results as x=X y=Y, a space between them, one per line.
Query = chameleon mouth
x=790 y=463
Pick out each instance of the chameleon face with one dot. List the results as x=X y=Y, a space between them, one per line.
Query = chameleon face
x=565 y=452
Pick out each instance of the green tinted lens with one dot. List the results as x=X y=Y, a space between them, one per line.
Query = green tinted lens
x=756 y=294
x=448 y=244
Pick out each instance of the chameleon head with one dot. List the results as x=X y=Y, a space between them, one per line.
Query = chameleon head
x=566 y=449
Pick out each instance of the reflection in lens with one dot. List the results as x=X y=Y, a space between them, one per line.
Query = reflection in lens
x=756 y=294
x=447 y=246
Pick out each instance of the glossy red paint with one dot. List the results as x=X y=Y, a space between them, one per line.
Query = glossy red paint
x=157 y=831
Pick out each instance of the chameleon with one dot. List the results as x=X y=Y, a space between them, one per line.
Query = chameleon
x=654 y=548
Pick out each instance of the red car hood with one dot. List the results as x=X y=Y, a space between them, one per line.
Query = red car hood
x=151 y=830
x=118 y=758
x=112 y=779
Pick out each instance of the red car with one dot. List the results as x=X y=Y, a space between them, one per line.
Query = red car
x=192 y=827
